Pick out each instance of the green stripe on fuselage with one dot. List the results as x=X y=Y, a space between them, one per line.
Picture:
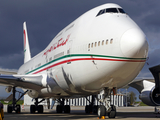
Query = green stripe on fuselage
x=80 y=55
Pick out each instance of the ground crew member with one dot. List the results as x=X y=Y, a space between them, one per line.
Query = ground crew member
x=1 y=111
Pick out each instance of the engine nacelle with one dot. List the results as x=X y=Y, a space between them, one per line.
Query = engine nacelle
x=150 y=97
x=33 y=93
x=8 y=89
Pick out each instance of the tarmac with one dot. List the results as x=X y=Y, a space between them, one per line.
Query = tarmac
x=78 y=113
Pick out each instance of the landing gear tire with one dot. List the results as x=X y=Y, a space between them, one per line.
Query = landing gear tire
x=66 y=109
x=9 y=109
x=18 y=109
x=88 y=109
x=40 y=108
x=95 y=109
x=32 y=109
x=59 y=108
x=112 y=112
x=101 y=111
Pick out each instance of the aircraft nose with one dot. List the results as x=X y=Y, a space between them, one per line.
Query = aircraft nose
x=134 y=44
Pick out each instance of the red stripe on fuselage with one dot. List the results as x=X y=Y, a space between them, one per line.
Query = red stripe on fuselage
x=78 y=59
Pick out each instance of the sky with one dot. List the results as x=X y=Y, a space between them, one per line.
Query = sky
x=45 y=18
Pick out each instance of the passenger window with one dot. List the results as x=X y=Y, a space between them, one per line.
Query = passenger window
x=89 y=46
x=95 y=44
x=111 y=41
x=99 y=43
x=103 y=42
x=92 y=45
x=106 y=42
x=46 y=60
x=68 y=51
x=50 y=59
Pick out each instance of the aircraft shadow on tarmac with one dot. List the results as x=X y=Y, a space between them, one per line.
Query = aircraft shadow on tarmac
x=76 y=114
x=80 y=114
x=137 y=115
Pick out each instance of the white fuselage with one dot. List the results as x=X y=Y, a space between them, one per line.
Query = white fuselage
x=91 y=53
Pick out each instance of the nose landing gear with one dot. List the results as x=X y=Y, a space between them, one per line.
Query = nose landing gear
x=107 y=107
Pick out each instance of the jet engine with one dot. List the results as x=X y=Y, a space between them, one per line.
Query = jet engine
x=8 y=89
x=150 y=96
x=33 y=93
x=149 y=91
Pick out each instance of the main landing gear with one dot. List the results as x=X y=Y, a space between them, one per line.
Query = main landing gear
x=62 y=108
x=107 y=107
x=14 y=106
x=36 y=107
x=17 y=108
x=91 y=108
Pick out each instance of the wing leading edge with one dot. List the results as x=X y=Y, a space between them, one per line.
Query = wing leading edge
x=141 y=84
x=22 y=81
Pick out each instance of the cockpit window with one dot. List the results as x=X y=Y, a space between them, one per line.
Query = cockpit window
x=121 y=10
x=101 y=12
x=111 y=10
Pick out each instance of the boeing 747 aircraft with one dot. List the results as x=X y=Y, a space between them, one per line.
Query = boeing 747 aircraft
x=99 y=52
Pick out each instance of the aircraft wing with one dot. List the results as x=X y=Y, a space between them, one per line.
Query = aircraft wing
x=141 y=83
x=7 y=72
x=22 y=81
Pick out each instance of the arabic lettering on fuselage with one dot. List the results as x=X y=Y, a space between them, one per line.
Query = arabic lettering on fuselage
x=61 y=42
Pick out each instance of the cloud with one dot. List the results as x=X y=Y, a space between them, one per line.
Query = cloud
x=14 y=61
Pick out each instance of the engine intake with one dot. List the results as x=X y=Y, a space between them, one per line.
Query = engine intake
x=33 y=93
x=150 y=97
x=8 y=89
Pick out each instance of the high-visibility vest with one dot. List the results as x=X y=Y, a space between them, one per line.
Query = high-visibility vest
x=1 y=114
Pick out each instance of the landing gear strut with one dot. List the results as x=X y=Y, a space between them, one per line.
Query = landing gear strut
x=60 y=108
x=91 y=108
x=107 y=107
x=14 y=106
x=36 y=107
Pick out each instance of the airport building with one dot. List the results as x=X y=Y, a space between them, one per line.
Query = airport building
x=118 y=101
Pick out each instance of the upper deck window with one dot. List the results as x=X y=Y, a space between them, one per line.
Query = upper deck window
x=111 y=10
